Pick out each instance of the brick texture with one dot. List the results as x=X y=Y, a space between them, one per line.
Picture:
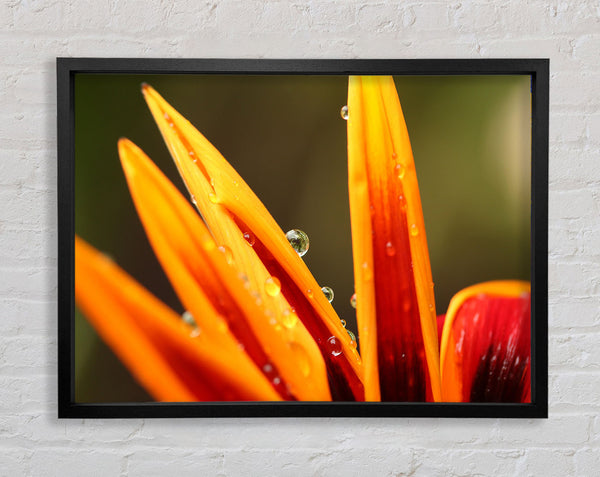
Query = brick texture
x=34 y=442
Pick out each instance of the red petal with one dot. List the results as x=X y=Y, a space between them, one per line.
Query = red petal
x=486 y=348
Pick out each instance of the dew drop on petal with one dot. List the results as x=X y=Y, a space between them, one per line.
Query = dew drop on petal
x=353 y=301
x=309 y=293
x=400 y=170
x=193 y=199
x=188 y=318
x=213 y=198
x=166 y=116
x=344 y=113
x=272 y=286
x=267 y=368
x=250 y=238
x=289 y=319
x=390 y=251
x=301 y=358
x=328 y=292
x=334 y=346
x=402 y=201
x=352 y=337
x=298 y=240
x=367 y=272
x=414 y=230
x=394 y=155
x=343 y=322
x=195 y=333
x=228 y=253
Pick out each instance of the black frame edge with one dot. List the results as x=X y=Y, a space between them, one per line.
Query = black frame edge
x=66 y=69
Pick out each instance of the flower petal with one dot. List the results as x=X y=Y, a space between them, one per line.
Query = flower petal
x=202 y=277
x=486 y=344
x=395 y=302
x=232 y=210
x=155 y=344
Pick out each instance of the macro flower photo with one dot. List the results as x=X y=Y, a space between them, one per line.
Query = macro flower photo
x=254 y=238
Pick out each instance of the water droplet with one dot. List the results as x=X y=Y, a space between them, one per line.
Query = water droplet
x=289 y=318
x=309 y=293
x=394 y=155
x=228 y=254
x=301 y=358
x=171 y=125
x=213 y=198
x=414 y=230
x=400 y=170
x=195 y=333
x=344 y=113
x=272 y=286
x=212 y=182
x=166 y=116
x=276 y=380
x=368 y=274
x=188 y=318
x=431 y=306
x=193 y=199
x=402 y=201
x=352 y=337
x=190 y=153
x=343 y=322
x=250 y=238
x=298 y=240
x=390 y=251
x=328 y=292
x=334 y=346
x=236 y=184
x=353 y=301
x=267 y=368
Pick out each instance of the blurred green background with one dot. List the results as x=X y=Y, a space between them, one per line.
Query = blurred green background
x=284 y=135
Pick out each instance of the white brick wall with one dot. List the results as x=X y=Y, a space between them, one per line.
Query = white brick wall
x=34 y=442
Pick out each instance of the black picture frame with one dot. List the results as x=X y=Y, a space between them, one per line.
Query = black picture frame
x=538 y=69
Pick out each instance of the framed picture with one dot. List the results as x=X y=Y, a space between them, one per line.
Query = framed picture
x=302 y=237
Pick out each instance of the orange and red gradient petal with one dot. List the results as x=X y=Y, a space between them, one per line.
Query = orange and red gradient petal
x=394 y=290
x=237 y=219
x=204 y=279
x=171 y=360
x=486 y=344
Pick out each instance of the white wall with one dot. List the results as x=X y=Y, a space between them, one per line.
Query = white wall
x=34 y=442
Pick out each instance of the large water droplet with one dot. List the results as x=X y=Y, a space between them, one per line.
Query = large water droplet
x=250 y=238
x=390 y=251
x=272 y=286
x=334 y=346
x=328 y=292
x=353 y=301
x=344 y=113
x=298 y=240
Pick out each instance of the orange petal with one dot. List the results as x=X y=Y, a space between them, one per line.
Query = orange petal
x=202 y=278
x=155 y=344
x=231 y=209
x=486 y=344
x=394 y=289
